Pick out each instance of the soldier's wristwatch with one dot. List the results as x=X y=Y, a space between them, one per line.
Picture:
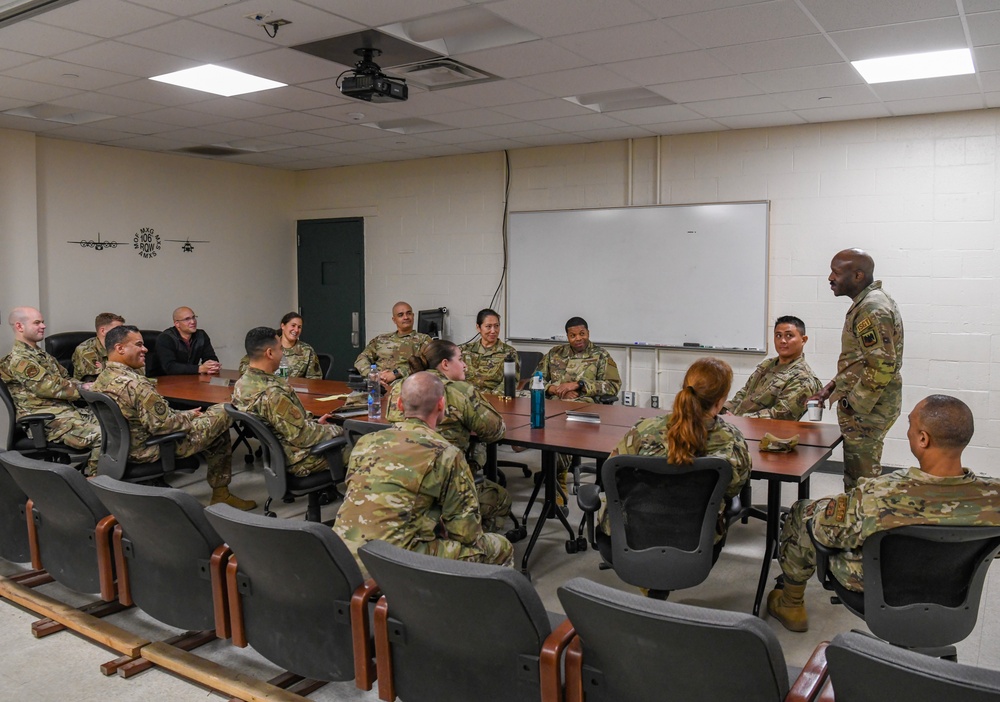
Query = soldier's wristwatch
x=844 y=403
x=581 y=386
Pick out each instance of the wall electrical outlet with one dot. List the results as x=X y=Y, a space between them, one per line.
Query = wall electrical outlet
x=654 y=401
x=628 y=398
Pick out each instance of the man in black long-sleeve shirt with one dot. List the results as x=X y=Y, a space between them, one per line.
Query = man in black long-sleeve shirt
x=185 y=349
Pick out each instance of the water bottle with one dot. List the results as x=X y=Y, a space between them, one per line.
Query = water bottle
x=374 y=394
x=537 y=401
x=282 y=371
x=509 y=376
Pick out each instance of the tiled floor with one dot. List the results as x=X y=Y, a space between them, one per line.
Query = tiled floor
x=65 y=666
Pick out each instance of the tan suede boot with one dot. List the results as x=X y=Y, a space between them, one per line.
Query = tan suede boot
x=222 y=494
x=788 y=607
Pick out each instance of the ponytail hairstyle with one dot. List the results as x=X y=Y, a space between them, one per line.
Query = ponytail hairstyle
x=432 y=354
x=706 y=382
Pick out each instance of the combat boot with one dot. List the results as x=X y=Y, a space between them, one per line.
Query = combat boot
x=788 y=607
x=222 y=494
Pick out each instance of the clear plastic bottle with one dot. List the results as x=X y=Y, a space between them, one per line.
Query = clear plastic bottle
x=374 y=394
x=537 y=401
x=282 y=371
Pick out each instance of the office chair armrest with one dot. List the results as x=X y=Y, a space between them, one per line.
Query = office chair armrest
x=734 y=509
x=823 y=555
x=588 y=498
x=34 y=424
x=160 y=439
x=606 y=399
x=328 y=445
x=812 y=677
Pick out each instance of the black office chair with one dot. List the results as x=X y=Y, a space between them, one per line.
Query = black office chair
x=116 y=440
x=864 y=669
x=62 y=345
x=906 y=602
x=169 y=560
x=325 y=364
x=318 y=626
x=13 y=527
x=280 y=483
x=149 y=337
x=452 y=631
x=662 y=518
x=69 y=532
x=27 y=435
x=632 y=648
x=354 y=429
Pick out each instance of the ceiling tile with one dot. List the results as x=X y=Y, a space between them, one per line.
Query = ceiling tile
x=135 y=125
x=125 y=58
x=908 y=38
x=984 y=28
x=673 y=8
x=103 y=18
x=523 y=59
x=825 y=76
x=657 y=70
x=772 y=119
x=812 y=50
x=855 y=14
x=954 y=103
x=108 y=104
x=656 y=115
x=616 y=133
x=290 y=98
x=41 y=39
x=627 y=42
x=32 y=91
x=307 y=23
x=234 y=108
x=378 y=12
x=844 y=112
x=543 y=109
x=553 y=18
x=68 y=75
x=9 y=59
x=576 y=81
x=706 y=89
x=27 y=124
x=928 y=87
x=826 y=97
x=582 y=123
x=179 y=117
x=516 y=130
x=987 y=58
x=686 y=127
x=505 y=92
x=297 y=121
x=730 y=107
x=473 y=118
x=158 y=93
x=181 y=8
x=148 y=142
x=778 y=19
x=197 y=42
x=464 y=136
x=284 y=66
x=245 y=129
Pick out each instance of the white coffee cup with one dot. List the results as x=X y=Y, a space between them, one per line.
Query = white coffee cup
x=815 y=410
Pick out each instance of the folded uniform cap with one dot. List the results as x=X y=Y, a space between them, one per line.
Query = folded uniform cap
x=772 y=443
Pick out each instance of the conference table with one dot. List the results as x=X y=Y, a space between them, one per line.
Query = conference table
x=561 y=434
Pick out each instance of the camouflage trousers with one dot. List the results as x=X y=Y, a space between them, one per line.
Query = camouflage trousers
x=488 y=548
x=314 y=464
x=797 y=555
x=78 y=429
x=209 y=436
x=494 y=505
x=863 y=437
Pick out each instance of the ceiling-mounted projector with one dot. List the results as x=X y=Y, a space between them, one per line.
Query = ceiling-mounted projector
x=367 y=81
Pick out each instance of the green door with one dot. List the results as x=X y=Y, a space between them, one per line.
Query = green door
x=332 y=288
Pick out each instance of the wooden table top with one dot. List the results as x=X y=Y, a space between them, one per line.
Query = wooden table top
x=522 y=405
x=205 y=389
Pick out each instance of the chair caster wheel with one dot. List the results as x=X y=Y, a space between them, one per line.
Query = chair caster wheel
x=571 y=546
x=581 y=544
x=288 y=499
x=270 y=514
x=518 y=534
x=248 y=459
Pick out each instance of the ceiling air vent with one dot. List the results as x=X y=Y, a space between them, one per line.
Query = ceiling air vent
x=438 y=74
x=212 y=151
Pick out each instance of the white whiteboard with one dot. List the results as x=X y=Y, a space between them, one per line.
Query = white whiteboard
x=673 y=275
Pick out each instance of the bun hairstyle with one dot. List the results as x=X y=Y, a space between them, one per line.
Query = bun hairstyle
x=706 y=382
x=432 y=354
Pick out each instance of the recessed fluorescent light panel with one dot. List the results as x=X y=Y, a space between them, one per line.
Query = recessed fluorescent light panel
x=933 y=64
x=218 y=80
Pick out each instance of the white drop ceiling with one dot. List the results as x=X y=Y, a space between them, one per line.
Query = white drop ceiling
x=725 y=64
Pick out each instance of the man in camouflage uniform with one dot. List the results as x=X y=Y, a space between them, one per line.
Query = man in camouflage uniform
x=148 y=414
x=778 y=388
x=90 y=356
x=391 y=352
x=868 y=384
x=408 y=486
x=940 y=491
x=40 y=385
x=467 y=412
x=261 y=393
x=579 y=371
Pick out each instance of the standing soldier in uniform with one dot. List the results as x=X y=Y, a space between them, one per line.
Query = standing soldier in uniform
x=940 y=491
x=261 y=393
x=90 y=356
x=391 y=352
x=868 y=384
x=409 y=486
x=40 y=385
x=148 y=413
x=578 y=370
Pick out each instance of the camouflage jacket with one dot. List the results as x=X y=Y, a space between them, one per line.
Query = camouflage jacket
x=594 y=366
x=467 y=412
x=391 y=352
x=649 y=438
x=302 y=362
x=871 y=352
x=408 y=484
x=902 y=498
x=89 y=358
x=776 y=391
x=146 y=411
x=271 y=399
x=484 y=367
x=38 y=382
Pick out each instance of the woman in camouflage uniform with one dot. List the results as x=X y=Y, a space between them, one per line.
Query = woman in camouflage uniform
x=301 y=358
x=484 y=357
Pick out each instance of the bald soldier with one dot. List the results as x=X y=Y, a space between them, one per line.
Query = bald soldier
x=148 y=414
x=409 y=486
x=184 y=349
x=391 y=352
x=940 y=491
x=90 y=356
x=40 y=385
x=868 y=386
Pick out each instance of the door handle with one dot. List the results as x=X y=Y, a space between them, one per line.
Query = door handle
x=355 y=341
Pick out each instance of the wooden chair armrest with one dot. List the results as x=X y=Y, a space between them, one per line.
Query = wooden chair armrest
x=36 y=553
x=574 y=670
x=826 y=694
x=220 y=601
x=121 y=568
x=549 y=661
x=239 y=635
x=364 y=655
x=813 y=675
x=383 y=653
x=105 y=564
